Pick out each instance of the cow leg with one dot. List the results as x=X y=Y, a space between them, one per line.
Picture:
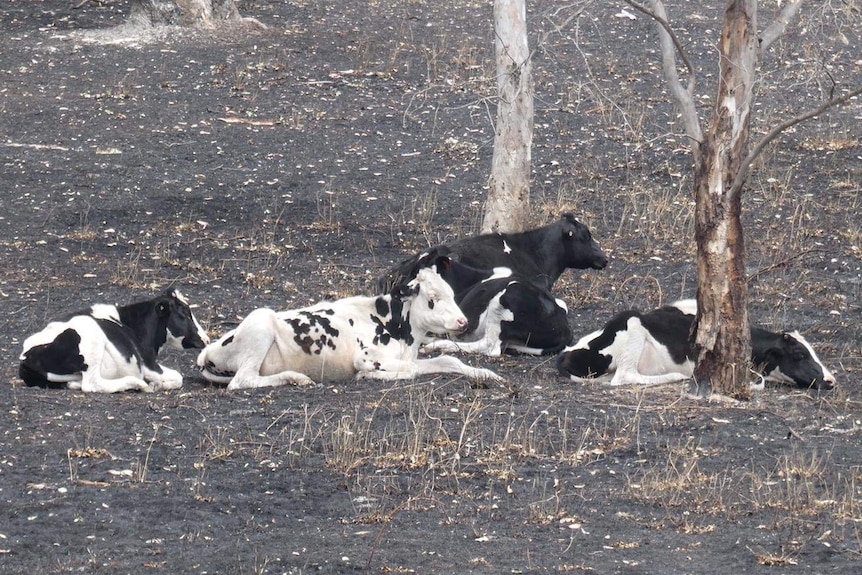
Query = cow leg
x=640 y=348
x=94 y=383
x=167 y=379
x=250 y=379
x=449 y=364
x=94 y=353
x=634 y=378
x=391 y=369
x=251 y=342
x=488 y=345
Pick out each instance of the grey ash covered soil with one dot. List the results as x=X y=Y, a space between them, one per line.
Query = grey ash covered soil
x=280 y=167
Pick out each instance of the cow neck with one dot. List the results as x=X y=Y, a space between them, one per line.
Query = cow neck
x=761 y=341
x=142 y=320
x=534 y=244
x=404 y=327
x=393 y=319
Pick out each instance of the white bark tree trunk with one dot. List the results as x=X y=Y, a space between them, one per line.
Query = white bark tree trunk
x=182 y=12
x=723 y=340
x=508 y=205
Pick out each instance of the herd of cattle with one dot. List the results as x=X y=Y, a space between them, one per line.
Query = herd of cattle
x=487 y=294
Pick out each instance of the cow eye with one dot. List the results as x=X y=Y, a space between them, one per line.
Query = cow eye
x=430 y=304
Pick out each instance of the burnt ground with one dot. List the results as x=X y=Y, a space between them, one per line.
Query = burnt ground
x=283 y=166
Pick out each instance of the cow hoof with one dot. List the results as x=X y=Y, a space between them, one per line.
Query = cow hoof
x=488 y=375
x=165 y=385
x=302 y=381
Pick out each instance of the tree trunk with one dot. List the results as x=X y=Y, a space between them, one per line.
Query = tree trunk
x=508 y=205
x=723 y=340
x=182 y=12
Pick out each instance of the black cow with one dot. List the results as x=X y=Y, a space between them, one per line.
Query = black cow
x=656 y=347
x=109 y=348
x=539 y=255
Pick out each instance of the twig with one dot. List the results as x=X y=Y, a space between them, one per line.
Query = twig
x=142 y=472
x=51 y=147
x=781 y=263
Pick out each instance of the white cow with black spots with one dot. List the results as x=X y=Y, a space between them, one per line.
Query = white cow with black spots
x=363 y=337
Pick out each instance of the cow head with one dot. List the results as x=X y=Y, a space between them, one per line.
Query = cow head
x=432 y=306
x=580 y=249
x=183 y=329
x=793 y=360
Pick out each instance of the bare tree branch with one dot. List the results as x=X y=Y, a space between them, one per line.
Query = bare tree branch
x=670 y=44
x=745 y=167
x=660 y=16
x=576 y=13
x=779 y=25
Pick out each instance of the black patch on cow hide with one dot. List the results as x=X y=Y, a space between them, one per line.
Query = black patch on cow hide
x=391 y=323
x=61 y=356
x=381 y=306
x=313 y=332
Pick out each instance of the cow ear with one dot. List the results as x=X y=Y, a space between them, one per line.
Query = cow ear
x=401 y=292
x=444 y=262
x=405 y=291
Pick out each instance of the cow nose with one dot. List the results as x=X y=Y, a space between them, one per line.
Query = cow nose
x=462 y=324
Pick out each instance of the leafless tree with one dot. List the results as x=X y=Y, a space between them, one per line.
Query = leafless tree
x=508 y=204
x=722 y=161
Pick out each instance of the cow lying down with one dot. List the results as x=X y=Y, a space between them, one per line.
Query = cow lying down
x=652 y=348
x=505 y=313
x=110 y=349
x=363 y=336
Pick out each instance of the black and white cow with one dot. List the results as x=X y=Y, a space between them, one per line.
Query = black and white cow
x=363 y=337
x=110 y=349
x=656 y=347
x=540 y=255
x=505 y=313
